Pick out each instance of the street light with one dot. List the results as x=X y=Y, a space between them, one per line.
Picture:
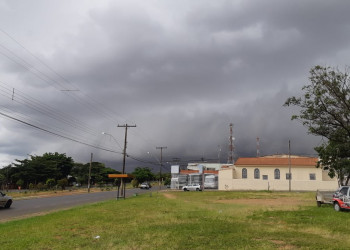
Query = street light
x=104 y=133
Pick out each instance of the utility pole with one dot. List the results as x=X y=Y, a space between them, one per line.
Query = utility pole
x=290 y=170
x=161 y=163
x=126 y=126
x=231 y=146
x=89 y=180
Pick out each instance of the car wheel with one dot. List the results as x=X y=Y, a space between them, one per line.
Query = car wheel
x=185 y=189
x=197 y=189
x=318 y=203
x=8 y=204
x=337 y=207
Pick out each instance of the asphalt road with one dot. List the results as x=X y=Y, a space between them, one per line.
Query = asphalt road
x=29 y=207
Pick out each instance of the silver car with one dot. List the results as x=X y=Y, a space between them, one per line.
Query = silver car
x=5 y=201
x=193 y=187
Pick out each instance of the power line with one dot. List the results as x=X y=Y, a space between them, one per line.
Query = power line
x=56 y=134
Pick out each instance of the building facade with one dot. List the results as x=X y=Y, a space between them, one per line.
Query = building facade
x=278 y=173
x=195 y=173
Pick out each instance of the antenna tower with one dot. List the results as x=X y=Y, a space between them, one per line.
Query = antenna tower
x=257 y=147
x=231 y=146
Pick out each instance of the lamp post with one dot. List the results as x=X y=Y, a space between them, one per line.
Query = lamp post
x=104 y=133
x=161 y=163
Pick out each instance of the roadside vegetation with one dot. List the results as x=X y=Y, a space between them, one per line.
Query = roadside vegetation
x=54 y=171
x=186 y=220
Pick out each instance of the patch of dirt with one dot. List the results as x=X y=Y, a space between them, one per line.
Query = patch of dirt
x=33 y=195
x=169 y=196
x=279 y=202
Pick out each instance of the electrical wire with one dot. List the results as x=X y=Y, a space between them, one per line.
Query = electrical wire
x=86 y=101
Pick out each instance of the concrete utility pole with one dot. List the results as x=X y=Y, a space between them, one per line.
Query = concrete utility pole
x=161 y=164
x=126 y=126
x=89 y=180
x=231 y=146
x=290 y=169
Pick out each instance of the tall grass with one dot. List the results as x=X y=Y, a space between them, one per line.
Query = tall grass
x=186 y=220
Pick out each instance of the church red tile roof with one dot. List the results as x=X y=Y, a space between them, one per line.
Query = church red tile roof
x=301 y=161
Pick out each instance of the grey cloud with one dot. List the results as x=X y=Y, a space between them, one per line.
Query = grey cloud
x=183 y=71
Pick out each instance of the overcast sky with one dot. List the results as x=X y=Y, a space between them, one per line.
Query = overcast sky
x=182 y=71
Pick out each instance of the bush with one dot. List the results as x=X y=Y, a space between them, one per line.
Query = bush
x=40 y=186
x=62 y=183
x=50 y=183
x=135 y=183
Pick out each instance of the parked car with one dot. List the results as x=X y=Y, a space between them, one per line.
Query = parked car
x=341 y=198
x=5 y=201
x=193 y=187
x=145 y=185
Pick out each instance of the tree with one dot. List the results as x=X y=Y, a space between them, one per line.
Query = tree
x=334 y=157
x=2 y=181
x=325 y=111
x=143 y=174
x=61 y=162
x=99 y=172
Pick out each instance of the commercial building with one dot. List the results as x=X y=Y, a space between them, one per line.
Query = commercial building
x=194 y=174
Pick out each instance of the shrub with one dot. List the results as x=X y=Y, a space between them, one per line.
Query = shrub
x=50 y=183
x=135 y=183
x=40 y=186
x=62 y=183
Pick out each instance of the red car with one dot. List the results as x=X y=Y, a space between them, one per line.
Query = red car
x=341 y=199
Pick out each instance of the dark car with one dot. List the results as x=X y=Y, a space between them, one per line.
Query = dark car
x=5 y=201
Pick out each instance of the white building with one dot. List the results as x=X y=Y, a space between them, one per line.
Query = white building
x=272 y=173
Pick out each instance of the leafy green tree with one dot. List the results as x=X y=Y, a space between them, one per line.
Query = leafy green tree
x=99 y=173
x=334 y=157
x=143 y=174
x=20 y=183
x=40 y=168
x=62 y=163
x=50 y=183
x=2 y=181
x=325 y=111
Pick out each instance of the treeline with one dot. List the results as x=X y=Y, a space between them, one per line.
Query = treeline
x=52 y=170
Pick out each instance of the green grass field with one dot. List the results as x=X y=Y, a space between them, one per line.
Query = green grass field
x=186 y=220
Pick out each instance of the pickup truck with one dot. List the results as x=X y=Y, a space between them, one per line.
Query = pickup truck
x=341 y=198
x=193 y=187
x=5 y=201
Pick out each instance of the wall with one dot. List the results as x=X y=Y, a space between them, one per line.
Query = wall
x=227 y=182
x=298 y=173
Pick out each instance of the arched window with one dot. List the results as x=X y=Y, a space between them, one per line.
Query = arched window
x=244 y=173
x=277 y=174
x=256 y=173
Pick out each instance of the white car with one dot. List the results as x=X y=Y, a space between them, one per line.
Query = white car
x=5 y=201
x=193 y=187
x=145 y=185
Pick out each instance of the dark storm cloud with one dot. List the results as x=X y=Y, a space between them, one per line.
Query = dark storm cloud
x=183 y=71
